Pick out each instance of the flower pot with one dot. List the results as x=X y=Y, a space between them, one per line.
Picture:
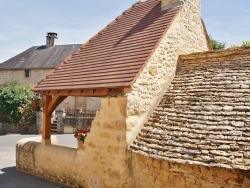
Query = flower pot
x=80 y=144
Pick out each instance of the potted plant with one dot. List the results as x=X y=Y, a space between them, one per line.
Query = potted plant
x=80 y=135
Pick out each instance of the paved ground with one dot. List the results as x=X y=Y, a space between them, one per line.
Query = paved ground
x=9 y=176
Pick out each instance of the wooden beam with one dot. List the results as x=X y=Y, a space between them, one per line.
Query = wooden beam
x=77 y=92
x=117 y=91
x=53 y=92
x=46 y=125
x=89 y=92
x=56 y=100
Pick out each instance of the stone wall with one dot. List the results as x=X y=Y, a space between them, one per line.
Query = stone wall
x=104 y=160
x=149 y=172
x=185 y=35
x=6 y=128
x=36 y=76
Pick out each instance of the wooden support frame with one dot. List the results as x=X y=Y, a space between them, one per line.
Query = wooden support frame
x=49 y=105
x=51 y=99
x=46 y=125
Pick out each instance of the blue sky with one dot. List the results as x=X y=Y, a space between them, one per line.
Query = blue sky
x=25 y=23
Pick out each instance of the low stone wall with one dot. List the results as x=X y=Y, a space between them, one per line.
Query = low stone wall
x=6 y=128
x=11 y=128
x=149 y=172
x=76 y=168
x=103 y=161
x=81 y=122
x=69 y=123
x=54 y=163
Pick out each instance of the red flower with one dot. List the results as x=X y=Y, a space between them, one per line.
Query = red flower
x=81 y=134
x=82 y=131
x=75 y=135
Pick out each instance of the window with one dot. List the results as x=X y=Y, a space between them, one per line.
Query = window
x=27 y=73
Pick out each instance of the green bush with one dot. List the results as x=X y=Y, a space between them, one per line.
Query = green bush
x=18 y=103
x=216 y=45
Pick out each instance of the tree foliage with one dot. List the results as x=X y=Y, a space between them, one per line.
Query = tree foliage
x=216 y=45
x=244 y=43
x=18 y=103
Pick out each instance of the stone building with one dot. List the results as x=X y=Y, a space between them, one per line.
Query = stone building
x=34 y=64
x=167 y=119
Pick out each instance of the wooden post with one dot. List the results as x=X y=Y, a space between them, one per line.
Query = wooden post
x=46 y=129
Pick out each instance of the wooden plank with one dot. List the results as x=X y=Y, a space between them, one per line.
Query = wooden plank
x=100 y=92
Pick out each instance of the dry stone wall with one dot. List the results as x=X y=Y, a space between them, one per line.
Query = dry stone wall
x=185 y=35
x=204 y=117
x=149 y=172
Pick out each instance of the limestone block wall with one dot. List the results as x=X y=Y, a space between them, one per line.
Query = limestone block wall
x=149 y=172
x=185 y=35
x=104 y=160
x=36 y=75
x=106 y=156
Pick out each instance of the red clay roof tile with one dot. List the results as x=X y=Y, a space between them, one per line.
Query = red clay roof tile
x=114 y=57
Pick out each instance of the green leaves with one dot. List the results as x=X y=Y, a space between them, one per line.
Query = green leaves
x=244 y=43
x=216 y=44
x=16 y=103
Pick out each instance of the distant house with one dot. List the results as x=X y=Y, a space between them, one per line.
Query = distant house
x=173 y=114
x=35 y=63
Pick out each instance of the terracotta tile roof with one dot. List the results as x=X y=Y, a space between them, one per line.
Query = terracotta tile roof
x=40 y=57
x=204 y=118
x=114 y=57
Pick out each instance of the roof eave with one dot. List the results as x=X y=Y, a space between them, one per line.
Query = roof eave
x=90 y=92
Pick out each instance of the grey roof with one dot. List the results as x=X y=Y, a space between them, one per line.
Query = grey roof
x=38 y=57
x=204 y=118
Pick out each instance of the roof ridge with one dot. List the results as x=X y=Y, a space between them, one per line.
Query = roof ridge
x=216 y=54
x=23 y=53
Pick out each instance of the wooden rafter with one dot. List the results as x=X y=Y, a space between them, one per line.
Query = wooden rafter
x=50 y=102
x=89 y=92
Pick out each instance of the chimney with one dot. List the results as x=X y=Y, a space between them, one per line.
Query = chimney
x=51 y=39
x=168 y=4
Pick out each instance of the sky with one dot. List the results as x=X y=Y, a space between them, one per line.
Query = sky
x=25 y=23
